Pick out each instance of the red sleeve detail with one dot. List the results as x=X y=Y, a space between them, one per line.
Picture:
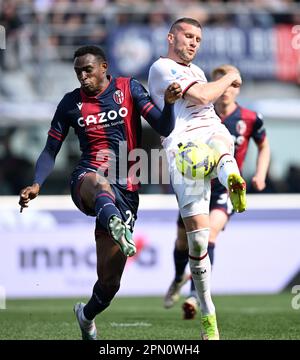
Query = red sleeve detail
x=55 y=136
x=148 y=109
x=189 y=86
x=55 y=132
x=145 y=107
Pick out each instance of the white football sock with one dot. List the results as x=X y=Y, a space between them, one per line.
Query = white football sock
x=227 y=165
x=201 y=268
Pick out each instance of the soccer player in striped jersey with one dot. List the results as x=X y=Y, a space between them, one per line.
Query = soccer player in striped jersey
x=104 y=112
x=243 y=124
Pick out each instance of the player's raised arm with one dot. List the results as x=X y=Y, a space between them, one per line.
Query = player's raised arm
x=203 y=94
x=161 y=121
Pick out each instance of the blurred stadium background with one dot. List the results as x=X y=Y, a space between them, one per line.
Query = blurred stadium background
x=48 y=251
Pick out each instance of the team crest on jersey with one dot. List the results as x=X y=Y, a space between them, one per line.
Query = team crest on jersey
x=118 y=97
x=241 y=127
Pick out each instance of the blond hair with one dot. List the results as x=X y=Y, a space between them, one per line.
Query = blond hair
x=224 y=69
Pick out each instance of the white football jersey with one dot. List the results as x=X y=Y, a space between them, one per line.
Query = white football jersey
x=188 y=116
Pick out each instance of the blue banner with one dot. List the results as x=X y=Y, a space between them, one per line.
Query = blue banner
x=255 y=51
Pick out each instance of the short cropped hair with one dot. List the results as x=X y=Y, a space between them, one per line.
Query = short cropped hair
x=90 y=49
x=223 y=70
x=185 y=20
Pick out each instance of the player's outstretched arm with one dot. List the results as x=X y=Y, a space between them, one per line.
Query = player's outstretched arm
x=262 y=165
x=203 y=94
x=161 y=121
x=44 y=166
x=27 y=194
x=164 y=122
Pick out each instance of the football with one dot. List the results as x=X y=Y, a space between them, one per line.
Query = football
x=195 y=160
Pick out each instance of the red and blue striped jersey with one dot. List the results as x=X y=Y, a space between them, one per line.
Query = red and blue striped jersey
x=244 y=124
x=104 y=122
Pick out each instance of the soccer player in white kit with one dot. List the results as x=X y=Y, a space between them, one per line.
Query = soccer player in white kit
x=196 y=120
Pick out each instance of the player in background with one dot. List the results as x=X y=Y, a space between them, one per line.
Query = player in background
x=196 y=120
x=243 y=124
x=103 y=112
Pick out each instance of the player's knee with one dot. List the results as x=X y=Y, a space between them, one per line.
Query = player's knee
x=99 y=187
x=90 y=188
x=97 y=182
x=198 y=242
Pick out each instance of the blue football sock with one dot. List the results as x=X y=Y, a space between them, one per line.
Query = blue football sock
x=211 y=250
x=181 y=259
x=97 y=303
x=105 y=208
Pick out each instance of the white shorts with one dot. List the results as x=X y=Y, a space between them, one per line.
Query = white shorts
x=193 y=196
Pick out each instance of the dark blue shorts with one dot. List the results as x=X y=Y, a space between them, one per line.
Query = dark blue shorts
x=126 y=201
x=219 y=199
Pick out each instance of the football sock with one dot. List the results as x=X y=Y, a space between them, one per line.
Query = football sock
x=97 y=303
x=181 y=258
x=211 y=251
x=193 y=289
x=201 y=268
x=226 y=165
x=105 y=208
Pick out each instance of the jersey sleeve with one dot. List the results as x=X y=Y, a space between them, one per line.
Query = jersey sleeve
x=46 y=160
x=58 y=131
x=162 y=74
x=161 y=121
x=259 y=131
x=60 y=124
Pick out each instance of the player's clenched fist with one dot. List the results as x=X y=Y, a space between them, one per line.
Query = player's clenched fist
x=27 y=194
x=236 y=78
x=173 y=93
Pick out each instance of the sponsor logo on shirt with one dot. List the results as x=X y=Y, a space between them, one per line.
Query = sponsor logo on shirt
x=102 y=117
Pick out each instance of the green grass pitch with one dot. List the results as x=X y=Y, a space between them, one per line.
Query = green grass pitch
x=130 y=318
